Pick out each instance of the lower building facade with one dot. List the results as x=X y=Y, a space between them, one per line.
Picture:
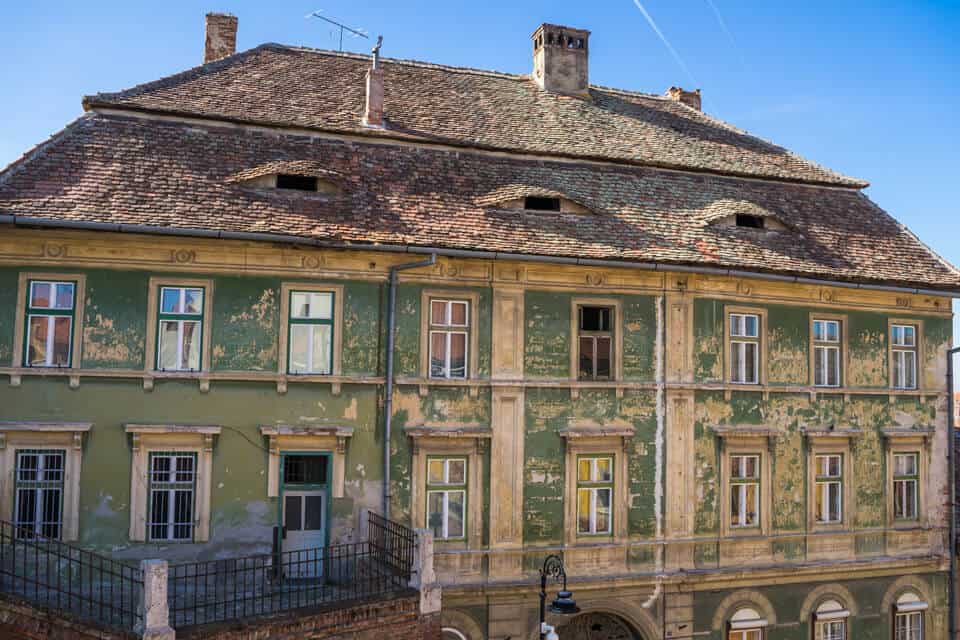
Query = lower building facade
x=711 y=456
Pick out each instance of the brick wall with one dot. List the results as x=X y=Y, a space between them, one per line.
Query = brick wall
x=397 y=619
x=19 y=621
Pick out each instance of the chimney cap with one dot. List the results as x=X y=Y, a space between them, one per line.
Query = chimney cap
x=689 y=98
x=559 y=27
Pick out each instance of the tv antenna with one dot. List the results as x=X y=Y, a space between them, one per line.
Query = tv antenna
x=351 y=31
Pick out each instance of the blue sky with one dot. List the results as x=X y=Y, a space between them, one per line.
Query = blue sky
x=867 y=88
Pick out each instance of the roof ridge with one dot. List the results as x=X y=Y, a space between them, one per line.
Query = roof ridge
x=803 y=169
x=410 y=62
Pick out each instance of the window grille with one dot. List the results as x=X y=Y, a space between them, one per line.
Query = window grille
x=172 y=487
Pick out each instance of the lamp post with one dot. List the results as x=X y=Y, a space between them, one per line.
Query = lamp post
x=564 y=603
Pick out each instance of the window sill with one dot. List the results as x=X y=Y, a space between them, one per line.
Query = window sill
x=282 y=380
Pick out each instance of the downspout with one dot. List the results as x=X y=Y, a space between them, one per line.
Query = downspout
x=388 y=389
x=660 y=350
x=952 y=510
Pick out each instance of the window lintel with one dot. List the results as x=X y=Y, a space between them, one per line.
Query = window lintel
x=50 y=427
x=829 y=433
x=172 y=428
x=605 y=431
x=901 y=435
x=744 y=431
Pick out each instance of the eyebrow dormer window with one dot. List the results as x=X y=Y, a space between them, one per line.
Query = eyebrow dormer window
x=296 y=183
x=539 y=203
x=750 y=222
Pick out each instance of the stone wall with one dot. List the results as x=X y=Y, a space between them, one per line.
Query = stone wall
x=397 y=619
x=19 y=621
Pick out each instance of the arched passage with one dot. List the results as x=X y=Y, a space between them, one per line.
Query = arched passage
x=598 y=625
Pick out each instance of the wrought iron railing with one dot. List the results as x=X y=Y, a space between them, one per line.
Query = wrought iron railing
x=394 y=543
x=267 y=584
x=64 y=579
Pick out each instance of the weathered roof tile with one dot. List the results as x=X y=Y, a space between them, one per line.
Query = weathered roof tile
x=114 y=169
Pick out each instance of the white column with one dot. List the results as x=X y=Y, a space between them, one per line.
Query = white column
x=423 y=578
x=153 y=608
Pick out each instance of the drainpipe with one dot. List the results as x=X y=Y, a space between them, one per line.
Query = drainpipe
x=661 y=361
x=388 y=402
x=951 y=465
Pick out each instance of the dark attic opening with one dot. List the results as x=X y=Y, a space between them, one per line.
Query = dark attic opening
x=297 y=183
x=539 y=203
x=749 y=221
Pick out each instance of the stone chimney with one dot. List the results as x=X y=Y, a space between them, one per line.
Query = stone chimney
x=560 y=57
x=373 y=110
x=221 y=38
x=689 y=98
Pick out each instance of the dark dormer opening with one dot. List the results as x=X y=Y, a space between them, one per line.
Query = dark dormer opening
x=297 y=183
x=541 y=203
x=749 y=221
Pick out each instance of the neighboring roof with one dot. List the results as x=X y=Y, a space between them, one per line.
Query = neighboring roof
x=126 y=170
x=324 y=90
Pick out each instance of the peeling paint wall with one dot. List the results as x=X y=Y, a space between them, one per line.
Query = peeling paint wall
x=8 y=300
x=245 y=324
x=242 y=515
x=550 y=410
x=789 y=413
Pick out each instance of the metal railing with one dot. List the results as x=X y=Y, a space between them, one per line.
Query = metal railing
x=64 y=579
x=254 y=586
x=394 y=543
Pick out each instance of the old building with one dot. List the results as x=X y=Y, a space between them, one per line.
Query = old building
x=708 y=372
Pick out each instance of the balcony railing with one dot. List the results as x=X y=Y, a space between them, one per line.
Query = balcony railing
x=66 y=580
x=267 y=584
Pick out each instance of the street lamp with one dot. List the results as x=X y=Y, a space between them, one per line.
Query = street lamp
x=564 y=603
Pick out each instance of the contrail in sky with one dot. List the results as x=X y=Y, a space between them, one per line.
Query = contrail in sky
x=726 y=30
x=663 y=38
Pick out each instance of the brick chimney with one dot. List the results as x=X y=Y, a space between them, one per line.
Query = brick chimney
x=373 y=109
x=221 y=40
x=560 y=57
x=689 y=98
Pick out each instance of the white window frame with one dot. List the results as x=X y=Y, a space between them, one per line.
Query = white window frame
x=37 y=523
x=827 y=625
x=826 y=345
x=170 y=438
x=184 y=319
x=51 y=317
x=295 y=320
x=914 y=620
x=22 y=314
x=829 y=480
x=153 y=490
x=909 y=480
x=66 y=437
x=152 y=352
x=739 y=339
x=456 y=488
x=899 y=351
x=449 y=329
x=740 y=483
x=593 y=486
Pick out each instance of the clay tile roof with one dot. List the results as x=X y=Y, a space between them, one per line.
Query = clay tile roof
x=289 y=167
x=132 y=170
x=323 y=90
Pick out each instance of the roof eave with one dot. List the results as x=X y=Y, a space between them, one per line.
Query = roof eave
x=916 y=288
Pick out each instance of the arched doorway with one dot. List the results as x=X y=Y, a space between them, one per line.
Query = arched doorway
x=597 y=626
